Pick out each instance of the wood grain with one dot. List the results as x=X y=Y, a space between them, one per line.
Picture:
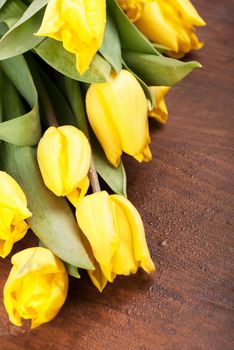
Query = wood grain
x=185 y=196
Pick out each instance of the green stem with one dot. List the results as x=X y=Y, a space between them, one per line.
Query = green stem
x=93 y=177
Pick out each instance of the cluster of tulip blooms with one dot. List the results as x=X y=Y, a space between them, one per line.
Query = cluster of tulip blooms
x=120 y=57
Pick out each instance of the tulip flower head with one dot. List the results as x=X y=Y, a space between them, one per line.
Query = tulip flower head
x=115 y=237
x=159 y=112
x=36 y=287
x=13 y=212
x=64 y=157
x=117 y=111
x=171 y=23
x=79 y=24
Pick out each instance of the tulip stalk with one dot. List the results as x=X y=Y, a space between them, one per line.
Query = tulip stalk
x=93 y=177
x=48 y=108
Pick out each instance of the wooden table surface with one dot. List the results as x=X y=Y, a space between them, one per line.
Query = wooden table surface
x=185 y=196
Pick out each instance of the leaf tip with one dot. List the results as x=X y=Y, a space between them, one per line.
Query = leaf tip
x=195 y=64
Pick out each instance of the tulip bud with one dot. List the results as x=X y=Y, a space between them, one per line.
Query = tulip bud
x=170 y=23
x=13 y=212
x=36 y=287
x=117 y=111
x=159 y=112
x=115 y=235
x=64 y=156
x=79 y=25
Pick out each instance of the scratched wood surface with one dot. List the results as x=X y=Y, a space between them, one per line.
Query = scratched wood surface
x=185 y=196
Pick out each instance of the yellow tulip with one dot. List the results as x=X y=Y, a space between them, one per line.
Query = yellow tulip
x=79 y=24
x=36 y=287
x=159 y=112
x=64 y=156
x=13 y=212
x=171 y=23
x=117 y=111
x=115 y=237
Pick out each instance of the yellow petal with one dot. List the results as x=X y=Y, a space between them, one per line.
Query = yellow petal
x=159 y=112
x=97 y=277
x=77 y=153
x=117 y=111
x=79 y=24
x=141 y=252
x=13 y=211
x=94 y=216
x=52 y=20
x=144 y=156
x=155 y=26
x=49 y=153
x=12 y=196
x=11 y=234
x=99 y=109
x=80 y=192
x=124 y=261
x=189 y=12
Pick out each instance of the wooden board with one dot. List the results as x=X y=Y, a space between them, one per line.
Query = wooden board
x=185 y=196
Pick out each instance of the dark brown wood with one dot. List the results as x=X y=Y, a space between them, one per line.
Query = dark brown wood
x=185 y=196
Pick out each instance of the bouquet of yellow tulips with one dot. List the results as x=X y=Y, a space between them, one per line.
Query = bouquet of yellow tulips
x=78 y=81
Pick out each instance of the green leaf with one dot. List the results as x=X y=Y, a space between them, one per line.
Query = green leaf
x=2 y=2
x=52 y=221
x=72 y=270
x=160 y=48
x=11 y=102
x=114 y=177
x=3 y=29
x=2 y=87
x=24 y=128
x=11 y=12
x=19 y=74
x=131 y=38
x=158 y=70
x=20 y=38
x=111 y=49
x=53 y=53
